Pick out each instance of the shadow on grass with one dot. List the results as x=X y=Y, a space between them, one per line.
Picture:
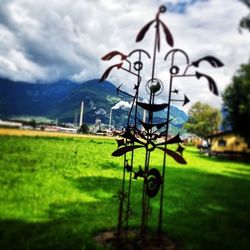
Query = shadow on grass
x=51 y=235
x=225 y=158
x=208 y=211
x=204 y=211
x=111 y=165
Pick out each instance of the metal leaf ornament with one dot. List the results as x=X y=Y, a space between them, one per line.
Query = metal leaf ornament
x=152 y=107
x=111 y=54
x=106 y=73
x=213 y=61
x=211 y=82
x=124 y=150
x=143 y=31
x=177 y=157
x=168 y=35
x=173 y=140
x=147 y=126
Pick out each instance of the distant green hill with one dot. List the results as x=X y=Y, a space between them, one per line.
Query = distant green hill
x=61 y=100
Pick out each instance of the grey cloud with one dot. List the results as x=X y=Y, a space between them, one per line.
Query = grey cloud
x=49 y=40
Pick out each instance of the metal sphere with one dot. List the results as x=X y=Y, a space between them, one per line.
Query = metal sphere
x=154 y=86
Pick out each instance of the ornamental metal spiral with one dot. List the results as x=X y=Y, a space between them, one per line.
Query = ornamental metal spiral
x=147 y=134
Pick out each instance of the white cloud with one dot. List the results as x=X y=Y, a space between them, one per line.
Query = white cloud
x=50 y=40
x=122 y=104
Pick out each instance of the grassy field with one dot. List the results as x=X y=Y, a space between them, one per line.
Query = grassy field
x=57 y=192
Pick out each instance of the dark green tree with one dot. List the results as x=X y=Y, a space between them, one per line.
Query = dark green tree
x=236 y=99
x=84 y=129
x=203 y=120
x=33 y=123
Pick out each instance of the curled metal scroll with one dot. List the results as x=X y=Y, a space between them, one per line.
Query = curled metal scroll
x=153 y=182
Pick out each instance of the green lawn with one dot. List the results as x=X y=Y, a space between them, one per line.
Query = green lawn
x=56 y=193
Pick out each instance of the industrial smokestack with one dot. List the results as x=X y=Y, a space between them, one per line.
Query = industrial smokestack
x=144 y=117
x=110 y=119
x=81 y=115
x=120 y=105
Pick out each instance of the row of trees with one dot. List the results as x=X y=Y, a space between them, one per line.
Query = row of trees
x=204 y=120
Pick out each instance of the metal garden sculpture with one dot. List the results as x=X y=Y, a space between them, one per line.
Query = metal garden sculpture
x=151 y=135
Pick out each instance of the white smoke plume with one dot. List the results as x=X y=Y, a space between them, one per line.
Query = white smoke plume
x=122 y=104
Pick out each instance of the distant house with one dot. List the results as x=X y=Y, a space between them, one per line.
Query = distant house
x=227 y=143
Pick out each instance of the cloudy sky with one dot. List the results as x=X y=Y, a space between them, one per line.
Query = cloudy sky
x=48 y=40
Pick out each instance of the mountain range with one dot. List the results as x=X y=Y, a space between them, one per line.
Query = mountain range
x=61 y=101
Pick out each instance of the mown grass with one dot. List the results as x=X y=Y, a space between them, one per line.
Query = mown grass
x=56 y=193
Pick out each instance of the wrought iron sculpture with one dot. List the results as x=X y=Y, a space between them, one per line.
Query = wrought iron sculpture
x=149 y=136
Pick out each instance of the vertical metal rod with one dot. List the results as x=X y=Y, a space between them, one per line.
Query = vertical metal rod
x=154 y=55
x=81 y=115
x=121 y=197
x=132 y=154
x=110 y=119
x=164 y=157
x=150 y=116
x=145 y=198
